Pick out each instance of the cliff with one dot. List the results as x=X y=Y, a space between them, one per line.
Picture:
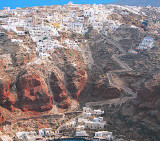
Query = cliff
x=101 y=72
x=33 y=93
x=7 y=98
x=2 y=118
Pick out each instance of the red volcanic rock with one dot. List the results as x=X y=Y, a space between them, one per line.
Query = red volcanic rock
x=76 y=82
x=7 y=99
x=2 y=119
x=59 y=92
x=33 y=93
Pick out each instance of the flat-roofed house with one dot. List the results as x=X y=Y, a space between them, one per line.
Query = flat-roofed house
x=104 y=135
x=146 y=44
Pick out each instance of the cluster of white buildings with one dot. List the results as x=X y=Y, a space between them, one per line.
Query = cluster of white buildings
x=32 y=135
x=97 y=123
x=103 y=135
x=44 y=23
x=90 y=120
x=146 y=44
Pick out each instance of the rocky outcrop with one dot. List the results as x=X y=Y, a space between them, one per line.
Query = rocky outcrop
x=59 y=92
x=76 y=81
x=69 y=79
x=7 y=99
x=2 y=119
x=33 y=93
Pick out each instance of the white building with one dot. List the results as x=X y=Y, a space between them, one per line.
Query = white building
x=16 y=40
x=99 y=119
x=72 y=44
x=26 y=136
x=146 y=44
x=94 y=125
x=80 y=128
x=105 y=135
x=81 y=134
x=87 y=115
x=79 y=19
x=71 y=124
x=76 y=27
x=98 y=112
x=6 y=8
x=89 y=110
x=88 y=13
x=82 y=120
x=5 y=137
x=46 y=132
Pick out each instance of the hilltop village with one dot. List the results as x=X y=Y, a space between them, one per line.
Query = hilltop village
x=79 y=70
x=41 y=24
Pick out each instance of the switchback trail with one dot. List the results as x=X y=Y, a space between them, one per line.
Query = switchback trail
x=125 y=68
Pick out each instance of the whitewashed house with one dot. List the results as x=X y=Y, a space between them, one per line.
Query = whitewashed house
x=80 y=128
x=16 y=41
x=88 y=13
x=81 y=121
x=87 y=110
x=94 y=125
x=72 y=44
x=97 y=123
x=71 y=124
x=98 y=25
x=75 y=26
x=91 y=20
x=99 y=119
x=81 y=134
x=11 y=20
x=105 y=30
x=79 y=19
x=98 y=112
x=26 y=136
x=146 y=44
x=5 y=138
x=46 y=132
x=6 y=8
x=87 y=115
x=104 y=135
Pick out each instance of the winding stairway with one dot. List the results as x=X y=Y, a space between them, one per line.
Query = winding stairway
x=125 y=68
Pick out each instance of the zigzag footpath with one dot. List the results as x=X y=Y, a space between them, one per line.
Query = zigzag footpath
x=126 y=68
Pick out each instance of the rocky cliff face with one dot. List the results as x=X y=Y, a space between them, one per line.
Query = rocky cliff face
x=7 y=98
x=33 y=93
x=31 y=83
x=59 y=92
x=2 y=118
x=35 y=84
